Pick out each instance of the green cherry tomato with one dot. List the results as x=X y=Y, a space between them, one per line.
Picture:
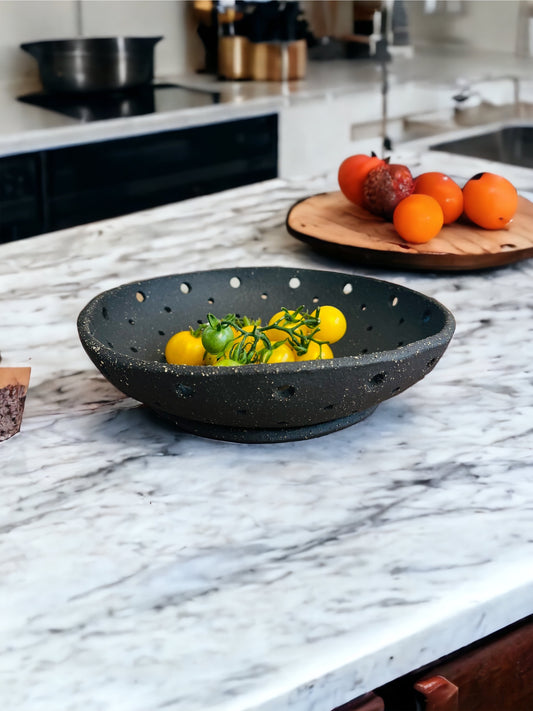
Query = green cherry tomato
x=215 y=340
x=226 y=362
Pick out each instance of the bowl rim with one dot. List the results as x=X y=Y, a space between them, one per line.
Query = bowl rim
x=442 y=337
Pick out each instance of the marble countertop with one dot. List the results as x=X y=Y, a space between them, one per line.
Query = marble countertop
x=146 y=568
x=25 y=128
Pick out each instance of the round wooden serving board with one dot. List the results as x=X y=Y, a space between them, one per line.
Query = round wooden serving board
x=330 y=223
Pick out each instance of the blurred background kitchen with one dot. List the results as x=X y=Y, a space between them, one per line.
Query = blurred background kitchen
x=479 y=24
x=236 y=92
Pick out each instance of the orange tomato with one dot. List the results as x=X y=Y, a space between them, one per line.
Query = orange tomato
x=490 y=200
x=418 y=218
x=445 y=191
x=352 y=173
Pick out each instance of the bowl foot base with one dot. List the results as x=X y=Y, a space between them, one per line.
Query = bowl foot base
x=267 y=435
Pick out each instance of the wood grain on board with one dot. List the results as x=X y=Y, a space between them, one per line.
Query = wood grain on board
x=330 y=223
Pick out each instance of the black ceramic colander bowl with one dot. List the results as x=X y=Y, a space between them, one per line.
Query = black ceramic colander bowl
x=395 y=336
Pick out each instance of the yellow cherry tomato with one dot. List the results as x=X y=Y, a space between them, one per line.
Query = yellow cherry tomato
x=184 y=349
x=332 y=325
x=247 y=341
x=210 y=359
x=245 y=346
x=281 y=354
x=275 y=334
x=316 y=351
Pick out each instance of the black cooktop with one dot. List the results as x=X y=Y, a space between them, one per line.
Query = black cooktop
x=97 y=106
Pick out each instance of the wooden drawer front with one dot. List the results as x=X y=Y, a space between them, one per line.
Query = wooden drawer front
x=497 y=676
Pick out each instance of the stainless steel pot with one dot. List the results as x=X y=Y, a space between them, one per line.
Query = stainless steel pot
x=94 y=64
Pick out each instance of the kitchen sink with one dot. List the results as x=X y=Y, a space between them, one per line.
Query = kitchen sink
x=507 y=144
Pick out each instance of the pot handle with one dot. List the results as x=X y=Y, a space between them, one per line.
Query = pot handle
x=32 y=48
x=153 y=40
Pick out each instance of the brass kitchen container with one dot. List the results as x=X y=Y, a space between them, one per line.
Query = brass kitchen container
x=238 y=58
x=278 y=61
x=234 y=57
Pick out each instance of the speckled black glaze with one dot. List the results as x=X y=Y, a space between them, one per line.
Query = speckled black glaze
x=395 y=337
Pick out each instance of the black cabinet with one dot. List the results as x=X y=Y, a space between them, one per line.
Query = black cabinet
x=74 y=185
x=21 y=207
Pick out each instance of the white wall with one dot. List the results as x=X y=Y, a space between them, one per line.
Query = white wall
x=480 y=24
x=28 y=20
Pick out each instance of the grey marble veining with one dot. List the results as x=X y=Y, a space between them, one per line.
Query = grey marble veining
x=143 y=568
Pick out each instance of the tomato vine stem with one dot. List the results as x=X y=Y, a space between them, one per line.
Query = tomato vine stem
x=251 y=342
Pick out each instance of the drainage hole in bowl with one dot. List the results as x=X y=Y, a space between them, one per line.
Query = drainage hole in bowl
x=329 y=407
x=110 y=345
x=378 y=379
x=184 y=390
x=210 y=300
x=363 y=307
x=294 y=283
x=185 y=288
x=161 y=333
x=168 y=309
x=264 y=296
x=431 y=363
x=347 y=288
x=140 y=296
x=394 y=301
x=131 y=322
x=133 y=349
x=105 y=314
x=284 y=392
x=235 y=282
